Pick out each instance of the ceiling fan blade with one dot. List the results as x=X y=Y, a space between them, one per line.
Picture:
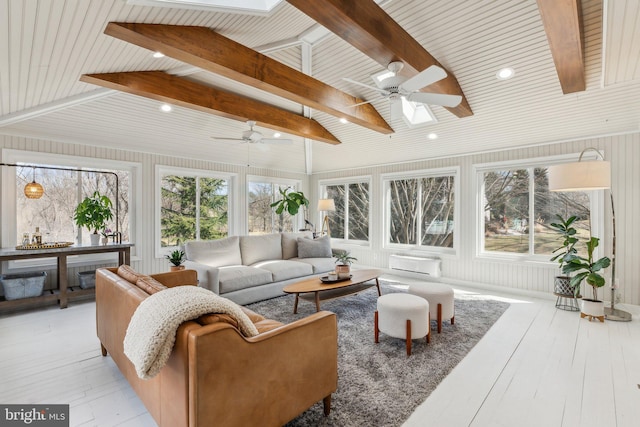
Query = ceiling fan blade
x=435 y=99
x=377 y=89
x=395 y=109
x=229 y=140
x=423 y=79
x=276 y=141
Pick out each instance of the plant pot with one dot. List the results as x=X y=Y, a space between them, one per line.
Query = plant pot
x=592 y=309
x=95 y=239
x=344 y=271
x=176 y=267
x=104 y=240
x=561 y=286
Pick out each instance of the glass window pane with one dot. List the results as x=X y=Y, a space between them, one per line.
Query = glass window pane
x=403 y=196
x=358 y=211
x=437 y=211
x=261 y=214
x=214 y=207
x=337 y=218
x=506 y=211
x=566 y=204
x=177 y=210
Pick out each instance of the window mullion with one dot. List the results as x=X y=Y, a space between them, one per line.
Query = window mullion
x=345 y=220
x=197 y=213
x=419 y=213
x=532 y=198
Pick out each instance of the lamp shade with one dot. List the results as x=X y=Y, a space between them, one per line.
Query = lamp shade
x=580 y=176
x=326 y=205
x=33 y=190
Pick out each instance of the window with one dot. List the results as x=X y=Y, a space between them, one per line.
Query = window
x=517 y=208
x=421 y=209
x=194 y=205
x=262 y=219
x=350 y=220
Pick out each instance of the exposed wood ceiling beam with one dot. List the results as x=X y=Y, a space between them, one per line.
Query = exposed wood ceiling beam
x=179 y=91
x=562 y=21
x=211 y=51
x=367 y=27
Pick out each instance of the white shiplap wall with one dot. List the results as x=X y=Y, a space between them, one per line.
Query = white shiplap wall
x=144 y=251
x=622 y=150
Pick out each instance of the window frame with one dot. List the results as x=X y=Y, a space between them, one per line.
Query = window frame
x=9 y=223
x=386 y=211
x=322 y=191
x=596 y=206
x=162 y=170
x=296 y=184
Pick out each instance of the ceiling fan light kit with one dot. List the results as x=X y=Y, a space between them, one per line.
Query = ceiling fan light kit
x=254 y=137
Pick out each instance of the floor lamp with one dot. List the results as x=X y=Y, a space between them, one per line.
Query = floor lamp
x=585 y=176
x=326 y=205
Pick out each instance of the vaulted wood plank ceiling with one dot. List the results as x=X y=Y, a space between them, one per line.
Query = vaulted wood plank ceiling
x=206 y=49
x=167 y=88
x=562 y=22
x=367 y=27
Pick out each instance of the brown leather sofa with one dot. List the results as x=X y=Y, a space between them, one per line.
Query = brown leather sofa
x=215 y=376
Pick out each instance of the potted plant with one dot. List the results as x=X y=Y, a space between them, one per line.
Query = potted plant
x=93 y=213
x=588 y=269
x=561 y=285
x=176 y=258
x=291 y=202
x=344 y=261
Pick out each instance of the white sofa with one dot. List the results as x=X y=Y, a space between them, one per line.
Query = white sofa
x=247 y=269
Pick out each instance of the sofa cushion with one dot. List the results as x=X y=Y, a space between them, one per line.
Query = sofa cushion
x=267 y=325
x=317 y=248
x=215 y=253
x=129 y=274
x=285 y=269
x=260 y=248
x=320 y=265
x=150 y=285
x=290 y=243
x=236 y=277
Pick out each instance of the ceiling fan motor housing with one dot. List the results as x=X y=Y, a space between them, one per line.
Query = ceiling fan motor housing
x=252 y=135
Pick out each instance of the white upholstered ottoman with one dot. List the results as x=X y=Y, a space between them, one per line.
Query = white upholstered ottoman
x=440 y=297
x=403 y=316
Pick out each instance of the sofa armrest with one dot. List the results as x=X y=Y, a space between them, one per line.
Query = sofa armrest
x=208 y=277
x=277 y=374
x=177 y=278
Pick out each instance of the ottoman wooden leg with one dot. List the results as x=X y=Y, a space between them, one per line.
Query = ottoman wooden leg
x=453 y=319
x=439 y=318
x=408 y=337
x=375 y=323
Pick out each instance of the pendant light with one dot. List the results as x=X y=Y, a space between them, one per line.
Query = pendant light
x=33 y=190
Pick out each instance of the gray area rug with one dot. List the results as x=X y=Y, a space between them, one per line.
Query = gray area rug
x=378 y=385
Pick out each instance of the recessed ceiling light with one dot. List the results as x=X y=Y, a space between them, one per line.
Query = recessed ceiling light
x=343 y=120
x=505 y=73
x=277 y=135
x=166 y=108
x=432 y=135
x=158 y=54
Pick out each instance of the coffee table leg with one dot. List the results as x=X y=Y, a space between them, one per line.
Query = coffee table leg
x=317 y=301
x=295 y=305
x=378 y=286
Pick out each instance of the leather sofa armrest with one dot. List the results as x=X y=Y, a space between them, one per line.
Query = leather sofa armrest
x=207 y=275
x=177 y=278
x=279 y=373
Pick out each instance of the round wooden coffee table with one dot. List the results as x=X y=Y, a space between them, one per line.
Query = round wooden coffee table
x=323 y=291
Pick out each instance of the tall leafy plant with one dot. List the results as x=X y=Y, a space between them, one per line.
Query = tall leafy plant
x=587 y=268
x=568 y=237
x=291 y=202
x=93 y=212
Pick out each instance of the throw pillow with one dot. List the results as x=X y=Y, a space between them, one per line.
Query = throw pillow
x=128 y=273
x=150 y=285
x=318 y=248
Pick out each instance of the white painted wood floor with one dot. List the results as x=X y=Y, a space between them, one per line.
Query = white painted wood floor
x=537 y=366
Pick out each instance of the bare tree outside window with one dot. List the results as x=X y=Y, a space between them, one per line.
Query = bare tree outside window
x=438 y=197
x=262 y=217
x=350 y=220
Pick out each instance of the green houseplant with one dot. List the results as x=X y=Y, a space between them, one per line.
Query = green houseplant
x=291 y=202
x=562 y=254
x=588 y=269
x=176 y=258
x=93 y=213
x=344 y=261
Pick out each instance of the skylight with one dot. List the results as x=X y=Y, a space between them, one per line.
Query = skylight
x=415 y=114
x=237 y=6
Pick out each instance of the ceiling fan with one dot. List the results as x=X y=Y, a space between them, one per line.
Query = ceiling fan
x=395 y=87
x=253 y=137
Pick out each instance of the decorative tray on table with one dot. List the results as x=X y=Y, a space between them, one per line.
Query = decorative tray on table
x=325 y=279
x=52 y=245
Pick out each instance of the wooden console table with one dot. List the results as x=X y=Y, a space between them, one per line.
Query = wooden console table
x=61 y=254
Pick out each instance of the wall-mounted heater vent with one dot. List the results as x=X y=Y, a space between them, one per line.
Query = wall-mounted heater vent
x=429 y=266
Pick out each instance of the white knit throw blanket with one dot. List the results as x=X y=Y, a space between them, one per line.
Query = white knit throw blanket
x=152 y=330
